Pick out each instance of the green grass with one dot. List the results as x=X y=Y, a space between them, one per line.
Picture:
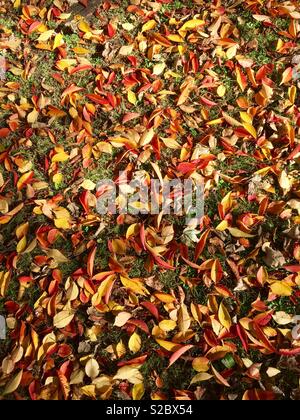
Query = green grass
x=170 y=280
x=238 y=163
x=200 y=294
x=283 y=303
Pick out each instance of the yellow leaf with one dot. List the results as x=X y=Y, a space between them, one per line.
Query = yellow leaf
x=24 y=179
x=22 y=230
x=4 y=282
x=64 y=16
x=224 y=316
x=135 y=343
x=231 y=52
x=126 y=50
x=159 y=68
x=164 y=297
x=89 y=390
x=131 y=97
x=221 y=91
x=84 y=27
x=134 y=284
x=147 y=137
x=227 y=202
x=175 y=38
x=190 y=24
x=46 y=35
x=92 y=368
x=285 y=182
x=120 y=349
x=102 y=147
x=237 y=233
x=62 y=319
x=280 y=288
x=230 y=120
x=184 y=320
x=32 y=116
x=246 y=117
x=171 y=143
x=271 y=372
x=88 y=185
x=201 y=364
x=138 y=391
x=240 y=80
x=65 y=63
x=149 y=25
x=118 y=246
x=58 y=179
x=222 y=226
x=292 y=94
x=251 y=130
x=282 y=318
x=215 y=122
x=102 y=290
x=80 y=50
x=130 y=373
x=13 y=384
x=167 y=325
x=185 y=94
x=60 y=157
x=57 y=256
x=128 y=26
x=286 y=75
x=21 y=245
x=62 y=223
x=181 y=49
x=122 y=318
x=168 y=345
x=200 y=377
x=58 y=41
x=133 y=230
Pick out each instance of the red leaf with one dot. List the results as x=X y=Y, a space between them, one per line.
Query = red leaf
x=289 y=352
x=111 y=30
x=163 y=264
x=140 y=324
x=130 y=116
x=97 y=99
x=294 y=153
x=82 y=67
x=4 y=132
x=151 y=308
x=263 y=339
x=292 y=268
x=136 y=360
x=175 y=356
x=201 y=244
x=243 y=336
x=143 y=237
x=90 y=261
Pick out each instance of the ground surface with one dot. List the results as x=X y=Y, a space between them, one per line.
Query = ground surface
x=131 y=307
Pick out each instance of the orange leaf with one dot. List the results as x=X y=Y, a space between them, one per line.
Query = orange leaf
x=241 y=79
x=90 y=262
x=216 y=271
x=287 y=75
x=24 y=180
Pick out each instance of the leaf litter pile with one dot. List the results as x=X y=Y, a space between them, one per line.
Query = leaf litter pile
x=140 y=306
